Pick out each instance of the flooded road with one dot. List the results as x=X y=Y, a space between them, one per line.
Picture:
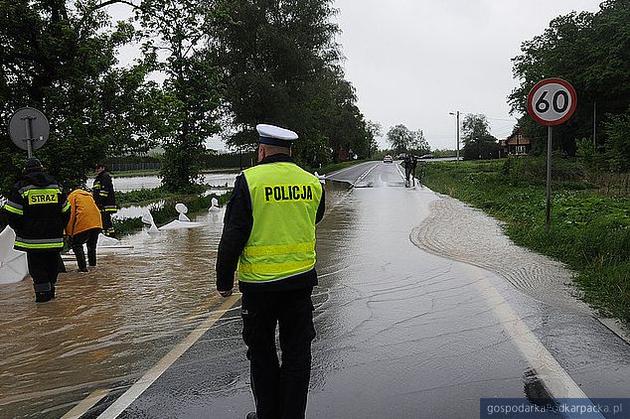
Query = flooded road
x=402 y=331
x=105 y=327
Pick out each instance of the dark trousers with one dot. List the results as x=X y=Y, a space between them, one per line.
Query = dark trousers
x=280 y=390
x=106 y=217
x=91 y=238
x=44 y=269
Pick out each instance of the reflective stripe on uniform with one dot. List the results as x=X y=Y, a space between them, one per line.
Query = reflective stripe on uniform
x=110 y=208
x=14 y=208
x=29 y=187
x=66 y=207
x=282 y=249
x=46 y=190
x=35 y=244
x=273 y=268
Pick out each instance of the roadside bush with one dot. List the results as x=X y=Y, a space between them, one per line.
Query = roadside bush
x=617 y=131
x=534 y=169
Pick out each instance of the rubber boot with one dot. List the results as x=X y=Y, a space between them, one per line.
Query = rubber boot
x=80 y=255
x=92 y=256
x=43 y=292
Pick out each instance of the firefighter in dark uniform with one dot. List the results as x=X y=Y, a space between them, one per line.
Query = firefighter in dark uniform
x=105 y=198
x=269 y=238
x=38 y=211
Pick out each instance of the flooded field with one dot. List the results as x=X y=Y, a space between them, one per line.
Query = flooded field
x=107 y=327
x=126 y=184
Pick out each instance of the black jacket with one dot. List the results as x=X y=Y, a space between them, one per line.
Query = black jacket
x=237 y=226
x=38 y=211
x=103 y=192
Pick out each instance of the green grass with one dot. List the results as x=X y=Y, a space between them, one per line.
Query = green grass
x=143 y=197
x=590 y=231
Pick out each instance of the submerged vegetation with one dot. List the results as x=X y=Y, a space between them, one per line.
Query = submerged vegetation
x=162 y=214
x=590 y=222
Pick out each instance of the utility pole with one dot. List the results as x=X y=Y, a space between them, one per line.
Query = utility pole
x=457 y=135
x=457 y=120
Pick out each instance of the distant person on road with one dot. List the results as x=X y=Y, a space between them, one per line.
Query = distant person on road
x=105 y=197
x=38 y=211
x=409 y=162
x=269 y=237
x=84 y=226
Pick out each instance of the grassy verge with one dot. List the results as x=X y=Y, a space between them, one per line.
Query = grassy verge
x=590 y=231
x=167 y=213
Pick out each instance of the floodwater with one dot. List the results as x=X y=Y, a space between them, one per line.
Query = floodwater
x=402 y=331
x=107 y=327
x=126 y=184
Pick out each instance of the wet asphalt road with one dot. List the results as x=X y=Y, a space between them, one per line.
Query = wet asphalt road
x=401 y=332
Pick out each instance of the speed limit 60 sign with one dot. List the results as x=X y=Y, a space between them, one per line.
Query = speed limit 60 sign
x=552 y=102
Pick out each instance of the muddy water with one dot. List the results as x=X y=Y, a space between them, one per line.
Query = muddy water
x=126 y=184
x=106 y=328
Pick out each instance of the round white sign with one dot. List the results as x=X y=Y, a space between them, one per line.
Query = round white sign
x=552 y=102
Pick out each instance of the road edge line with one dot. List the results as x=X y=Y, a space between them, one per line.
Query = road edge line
x=615 y=326
x=86 y=404
x=140 y=386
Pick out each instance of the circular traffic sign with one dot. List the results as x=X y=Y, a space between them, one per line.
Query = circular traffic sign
x=552 y=102
x=29 y=124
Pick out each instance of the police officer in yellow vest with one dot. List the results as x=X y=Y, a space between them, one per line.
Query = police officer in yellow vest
x=38 y=211
x=269 y=238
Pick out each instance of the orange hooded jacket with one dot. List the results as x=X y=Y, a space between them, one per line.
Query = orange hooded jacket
x=84 y=214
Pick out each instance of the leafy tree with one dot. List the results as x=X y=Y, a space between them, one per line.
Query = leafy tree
x=478 y=142
x=400 y=138
x=175 y=44
x=419 y=144
x=591 y=51
x=617 y=131
x=403 y=140
x=280 y=64
x=60 y=56
x=374 y=130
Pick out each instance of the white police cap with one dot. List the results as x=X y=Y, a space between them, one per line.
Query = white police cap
x=272 y=135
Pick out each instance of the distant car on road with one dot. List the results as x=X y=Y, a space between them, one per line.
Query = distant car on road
x=388 y=159
x=427 y=156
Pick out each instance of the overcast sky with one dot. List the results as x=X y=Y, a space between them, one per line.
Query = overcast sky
x=414 y=61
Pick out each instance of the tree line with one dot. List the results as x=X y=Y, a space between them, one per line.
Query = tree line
x=206 y=68
x=592 y=51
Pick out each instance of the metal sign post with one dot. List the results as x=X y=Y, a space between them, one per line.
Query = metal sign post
x=551 y=102
x=548 y=200
x=29 y=129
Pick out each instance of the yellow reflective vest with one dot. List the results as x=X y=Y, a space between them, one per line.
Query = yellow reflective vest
x=285 y=200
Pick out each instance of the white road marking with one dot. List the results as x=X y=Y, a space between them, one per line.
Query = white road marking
x=348 y=168
x=556 y=380
x=365 y=174
x=124 y=401
x=400 y=172
x=86 y=404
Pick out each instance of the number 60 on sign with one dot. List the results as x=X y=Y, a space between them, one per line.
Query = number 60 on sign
x=552 y=102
